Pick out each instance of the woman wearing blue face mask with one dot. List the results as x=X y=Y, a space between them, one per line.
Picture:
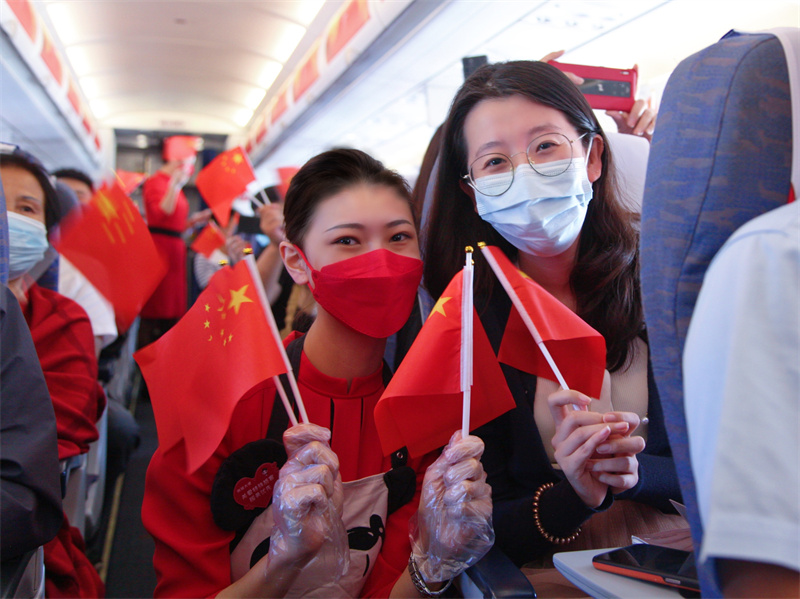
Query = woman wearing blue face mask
x=62 y=336
x=526 y=166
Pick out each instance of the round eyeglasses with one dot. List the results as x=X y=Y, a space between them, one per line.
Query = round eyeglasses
x=549 y=155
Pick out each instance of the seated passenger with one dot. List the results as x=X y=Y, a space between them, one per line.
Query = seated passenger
x=741 y=369
x=347 y=217
x=30 y=509
x=64 y=344
x=525 y=166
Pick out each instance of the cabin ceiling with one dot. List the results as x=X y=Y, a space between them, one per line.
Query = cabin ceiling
x=214 y=67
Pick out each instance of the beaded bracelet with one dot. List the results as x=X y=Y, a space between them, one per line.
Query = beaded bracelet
x=547 y=536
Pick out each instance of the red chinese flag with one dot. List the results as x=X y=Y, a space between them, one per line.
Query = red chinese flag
x=109 y=243
x=577 y=349
x=286 y=173
x=209 y=239
x=129 y=180
x=199 y=369
x=223 y=180
x=421 y=407
x=181 y=147
x=354 y=17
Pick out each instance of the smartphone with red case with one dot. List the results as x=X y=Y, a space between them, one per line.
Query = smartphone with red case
x=651 y=563
x=605 y=88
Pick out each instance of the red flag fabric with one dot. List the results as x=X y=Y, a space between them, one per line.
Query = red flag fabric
x=285 y=173
x=108 y=241
x=421 y=407
x=577 y=349
x=129 y=181
x=223 y=180
x=199 y=369
x=181 y=147
x=208 y=240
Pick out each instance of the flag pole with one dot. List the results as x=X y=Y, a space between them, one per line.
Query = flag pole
x=262 y=296
x=264 y=197
x=466 y=341
x=523 y=313
x=257 y=202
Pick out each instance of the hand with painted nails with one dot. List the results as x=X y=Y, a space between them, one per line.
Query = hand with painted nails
x=641 y=120
x=595 y=451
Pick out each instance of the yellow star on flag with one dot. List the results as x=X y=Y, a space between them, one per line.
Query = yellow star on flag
x=439 y=307
x=238 y=298
x=206 y=324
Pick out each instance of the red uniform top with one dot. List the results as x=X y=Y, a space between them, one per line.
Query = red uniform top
x=169 y=298
x=192 y=554
x=62 y=335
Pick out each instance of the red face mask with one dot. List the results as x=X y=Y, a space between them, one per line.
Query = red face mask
x=372 y=293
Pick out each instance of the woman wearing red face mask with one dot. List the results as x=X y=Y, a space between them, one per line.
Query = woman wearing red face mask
x=338 y=522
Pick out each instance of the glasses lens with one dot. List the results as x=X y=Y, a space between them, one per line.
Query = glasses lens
x=550 y=154
x=492 y=174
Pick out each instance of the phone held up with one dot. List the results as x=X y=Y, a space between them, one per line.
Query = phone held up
x=605 y=88
x=651 y=563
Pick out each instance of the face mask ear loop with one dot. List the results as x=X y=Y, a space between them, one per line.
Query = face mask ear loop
x=589 y=150
x=308 y=266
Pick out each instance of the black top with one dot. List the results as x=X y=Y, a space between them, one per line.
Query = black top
x=517 y=464
x=29 y=471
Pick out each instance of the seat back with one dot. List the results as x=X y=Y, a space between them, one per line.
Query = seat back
x=74 y=483
x=721 y=155
x=96 y=477
x=3 y=238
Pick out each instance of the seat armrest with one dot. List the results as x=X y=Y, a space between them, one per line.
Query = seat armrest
x=495 y=576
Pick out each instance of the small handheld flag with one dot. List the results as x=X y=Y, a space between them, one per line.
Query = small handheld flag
x=234 y=343
x=541 y=331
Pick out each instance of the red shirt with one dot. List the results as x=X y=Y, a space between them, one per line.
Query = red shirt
x=192 y=555
x=62 y=335
x=169 y=299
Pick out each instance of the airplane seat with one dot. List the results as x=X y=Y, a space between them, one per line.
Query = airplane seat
x=23 y=576
x=73 y=490
x=3 y=238
x=721 y=155
x=494 y=576
x=631 y=153
x=96 y=477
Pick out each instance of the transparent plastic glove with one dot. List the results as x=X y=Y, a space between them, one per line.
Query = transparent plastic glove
x=453 y=526
x=307 y=507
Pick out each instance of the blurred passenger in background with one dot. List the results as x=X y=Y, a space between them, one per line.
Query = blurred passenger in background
x=167 y=212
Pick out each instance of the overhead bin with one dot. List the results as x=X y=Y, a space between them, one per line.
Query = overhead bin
x=42 y=106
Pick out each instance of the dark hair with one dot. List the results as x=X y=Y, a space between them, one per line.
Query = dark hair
x=326 y=175
x=22 y=159
x=605 y=278
x=73 y=173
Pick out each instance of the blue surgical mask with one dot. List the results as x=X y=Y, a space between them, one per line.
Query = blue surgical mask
x=540 y=215
x=27 y=243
